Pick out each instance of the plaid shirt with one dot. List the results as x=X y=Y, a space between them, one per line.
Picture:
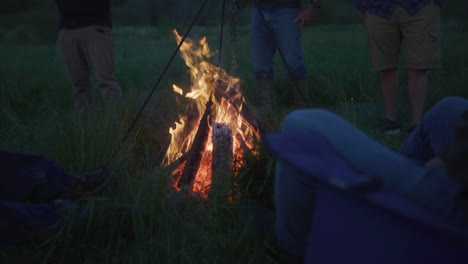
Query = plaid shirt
x=385 y=8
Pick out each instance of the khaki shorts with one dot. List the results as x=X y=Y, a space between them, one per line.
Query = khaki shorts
x=417 y=36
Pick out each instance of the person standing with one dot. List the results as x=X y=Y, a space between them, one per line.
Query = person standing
x=276 y=25
x=411 y=27
x=85 y=45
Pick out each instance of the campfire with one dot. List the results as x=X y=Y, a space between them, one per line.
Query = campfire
x=213 y=136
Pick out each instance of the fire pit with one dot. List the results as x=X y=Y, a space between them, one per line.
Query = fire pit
x=212 y=137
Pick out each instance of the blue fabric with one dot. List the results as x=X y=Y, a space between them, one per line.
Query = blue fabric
x=29 y=177
x=352 y=224
x=432 y=188
x=317 y=145
x=306 y=157
x=382 y=228
x=28 y=186
x=311 y=154
x=294 y=185
x=286 y=36
x=436 y=130
x=385 y=8
x=21 y=222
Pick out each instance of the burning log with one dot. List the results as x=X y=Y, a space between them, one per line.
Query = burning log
x=222 y=147
x=249 y=117
x=222 y=171
x=191 y=123
x=243 y=146
x=196 y=151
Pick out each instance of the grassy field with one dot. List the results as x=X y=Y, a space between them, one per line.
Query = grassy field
x=37 y=116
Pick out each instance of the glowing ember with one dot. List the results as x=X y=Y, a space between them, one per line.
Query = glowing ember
x=228 y=108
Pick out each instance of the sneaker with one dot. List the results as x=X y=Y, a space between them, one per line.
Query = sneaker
x=388 y=127
x=88 y=183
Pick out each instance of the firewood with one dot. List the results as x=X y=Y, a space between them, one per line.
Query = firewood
x=222 y=171
x=243 y=146
x=190 y=119
x=249 y=117
x=237 y=102
x=195 y=153
x=222 y=147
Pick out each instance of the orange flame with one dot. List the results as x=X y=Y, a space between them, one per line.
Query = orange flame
x=206 y=80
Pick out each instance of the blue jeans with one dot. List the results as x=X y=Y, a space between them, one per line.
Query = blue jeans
x=29 y=184
x=285 y=36
x=432 y=188
x=436 y=130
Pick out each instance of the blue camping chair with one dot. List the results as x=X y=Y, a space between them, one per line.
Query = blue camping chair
x=361 y=222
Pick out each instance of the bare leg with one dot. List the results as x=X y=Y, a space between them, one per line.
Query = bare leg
x=390 y=85
x=417 y=89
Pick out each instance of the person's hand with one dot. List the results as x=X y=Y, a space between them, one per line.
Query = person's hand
x=305 y=17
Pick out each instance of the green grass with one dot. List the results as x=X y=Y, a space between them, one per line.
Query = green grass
x=37 y=116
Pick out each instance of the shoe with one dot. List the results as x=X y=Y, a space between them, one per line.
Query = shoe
x=388 y=127
x=88 y=183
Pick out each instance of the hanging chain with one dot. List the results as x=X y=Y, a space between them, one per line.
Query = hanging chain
x=221 y=33
x=234 y=22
